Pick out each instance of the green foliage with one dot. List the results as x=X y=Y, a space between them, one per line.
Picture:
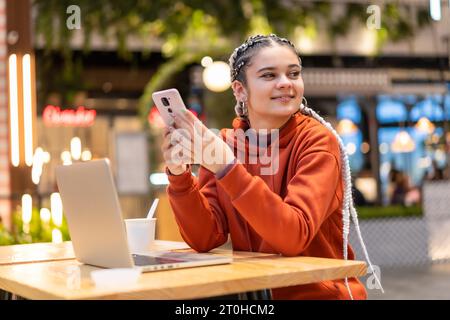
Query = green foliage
x=38 y=230
x=185 y=49
x=341 y=26
x=423 y=18
x=397 y=22
x=219 y=109
x=6 y=238
x=66 y=80
x=388 y=212
x=191 y=28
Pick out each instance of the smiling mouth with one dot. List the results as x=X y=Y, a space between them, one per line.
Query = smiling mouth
x=283 y=98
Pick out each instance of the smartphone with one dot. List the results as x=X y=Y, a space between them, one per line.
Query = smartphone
x=168 y=102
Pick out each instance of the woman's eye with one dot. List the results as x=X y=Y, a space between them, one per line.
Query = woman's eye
x=295 y=74
x=268 y=75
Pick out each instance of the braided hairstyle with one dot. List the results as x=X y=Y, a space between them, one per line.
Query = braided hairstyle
x=239 y=60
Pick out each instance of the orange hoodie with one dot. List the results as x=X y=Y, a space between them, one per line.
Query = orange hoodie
x=295 y=212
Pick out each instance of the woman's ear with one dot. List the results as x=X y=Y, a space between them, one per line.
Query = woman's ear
x=239 y=91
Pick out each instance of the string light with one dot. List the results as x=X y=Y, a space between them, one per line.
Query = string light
x=14 y=111
x=435 y=9
x=56 y=209
x=86 y=155
x=75 y=148
x=45 y=215
x=26 y=208
x=66 y=158
x=27 y=110
x=56 y=236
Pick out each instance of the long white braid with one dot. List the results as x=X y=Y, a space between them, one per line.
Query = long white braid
x=237 y=61
x=348 y=208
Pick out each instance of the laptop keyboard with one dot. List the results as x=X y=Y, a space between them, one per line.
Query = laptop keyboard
x=143 y=260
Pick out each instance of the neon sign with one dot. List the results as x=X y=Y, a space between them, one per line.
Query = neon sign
x=81 y=117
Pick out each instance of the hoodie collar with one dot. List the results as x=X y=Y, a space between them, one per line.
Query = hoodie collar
x=286 y=132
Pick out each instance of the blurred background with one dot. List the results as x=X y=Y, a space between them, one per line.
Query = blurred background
x=76 y=79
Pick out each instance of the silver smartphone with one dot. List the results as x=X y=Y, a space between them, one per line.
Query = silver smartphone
x=168 y=102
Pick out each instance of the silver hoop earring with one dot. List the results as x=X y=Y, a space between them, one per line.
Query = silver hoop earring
x=304 y=101
x=244 y=109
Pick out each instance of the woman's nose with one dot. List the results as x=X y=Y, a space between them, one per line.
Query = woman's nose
x=284 y=82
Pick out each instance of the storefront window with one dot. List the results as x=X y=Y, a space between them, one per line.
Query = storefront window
x=411 y=146
x=349 y=117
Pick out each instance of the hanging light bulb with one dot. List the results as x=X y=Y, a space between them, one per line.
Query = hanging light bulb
x=216 y=76
x=424 y=125
x=346 y=126
x=403 y=143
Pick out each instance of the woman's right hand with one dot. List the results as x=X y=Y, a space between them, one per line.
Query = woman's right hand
x=175 y=164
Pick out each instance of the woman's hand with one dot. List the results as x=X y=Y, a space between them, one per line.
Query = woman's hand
x=171 y=152
x=201 y=145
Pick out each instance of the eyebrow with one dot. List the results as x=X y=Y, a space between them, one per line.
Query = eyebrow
x=273 y=68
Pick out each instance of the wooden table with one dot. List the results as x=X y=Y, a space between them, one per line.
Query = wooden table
x=35 y=252
x=63 y=277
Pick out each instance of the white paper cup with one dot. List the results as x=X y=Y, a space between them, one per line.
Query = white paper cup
x=140 y=234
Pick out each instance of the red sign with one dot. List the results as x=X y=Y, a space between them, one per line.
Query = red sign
x=154 y=118
x=81 y=117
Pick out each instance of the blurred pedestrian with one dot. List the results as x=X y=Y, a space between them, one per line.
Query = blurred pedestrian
x=435 y=173
x=400 y=188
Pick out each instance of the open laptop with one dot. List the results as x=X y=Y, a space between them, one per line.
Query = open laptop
x=96 y=226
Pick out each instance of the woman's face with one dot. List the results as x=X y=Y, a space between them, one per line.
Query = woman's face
x=274 y=87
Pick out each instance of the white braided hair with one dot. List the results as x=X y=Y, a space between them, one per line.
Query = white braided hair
x=348 y=208
x=239 y=58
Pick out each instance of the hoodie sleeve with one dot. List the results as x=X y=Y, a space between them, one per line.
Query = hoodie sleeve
x=288 y=224
x=201 y=221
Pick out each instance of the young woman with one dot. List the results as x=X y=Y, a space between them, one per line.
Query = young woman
x=302 y=207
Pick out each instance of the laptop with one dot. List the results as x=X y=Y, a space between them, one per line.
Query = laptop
x=96 y=226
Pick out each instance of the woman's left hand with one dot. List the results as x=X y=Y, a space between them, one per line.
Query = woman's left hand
x=202 y=144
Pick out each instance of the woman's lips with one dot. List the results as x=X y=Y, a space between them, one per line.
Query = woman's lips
x=283 y=99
